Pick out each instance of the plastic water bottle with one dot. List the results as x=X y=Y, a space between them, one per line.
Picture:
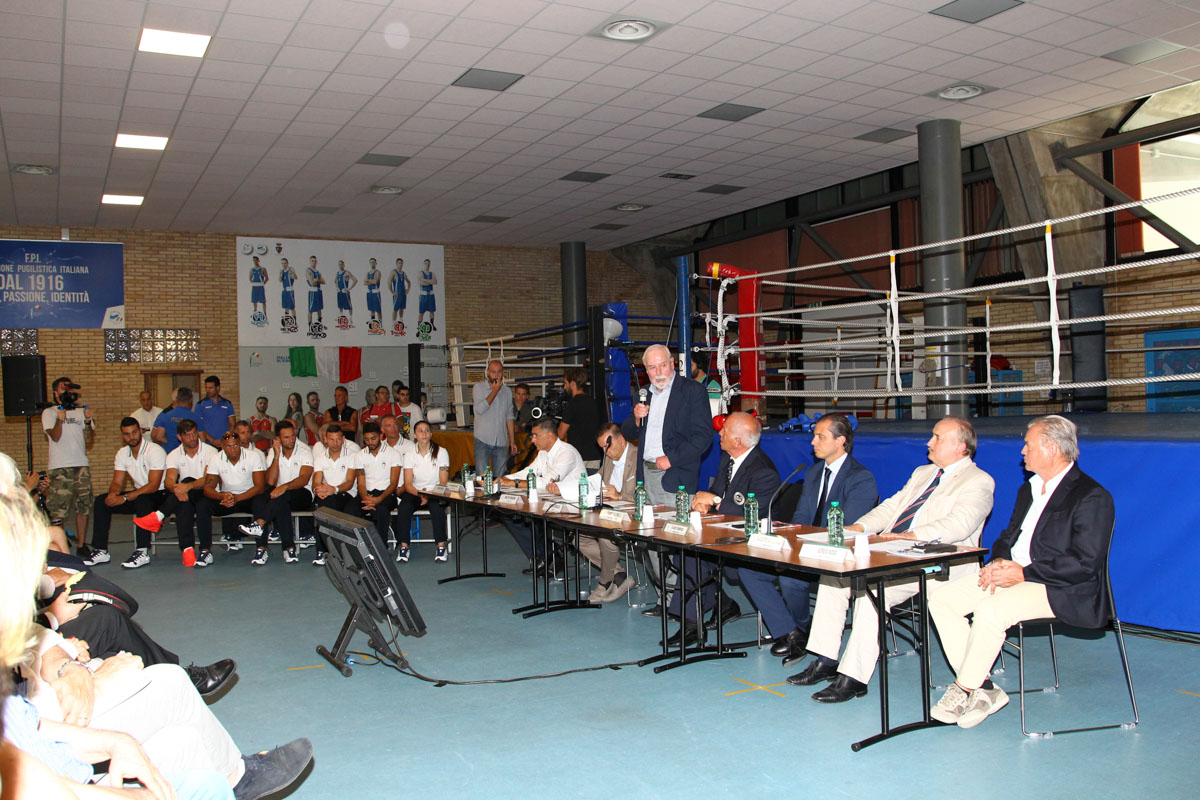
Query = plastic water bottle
x=835 y=521
x=487 y=479
x=468 y=480
x=466 y=472
x=531 y=480
x=683 y=506
x=751 y=512
x=584 y=486
x=639 y=501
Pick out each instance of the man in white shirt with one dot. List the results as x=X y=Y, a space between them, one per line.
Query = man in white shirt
x=146 y=413
x=555 y=462
x=289 y=470
x=378 y=476
x=389 y=427
x=946 y=501
x=68 y=435
x=1049 y=562
x=334 y=480
x=143 y=463
x=410 y=413
x=187 y=465
x=234 y=479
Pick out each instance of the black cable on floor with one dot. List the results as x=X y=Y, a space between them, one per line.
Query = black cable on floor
x=405 y=668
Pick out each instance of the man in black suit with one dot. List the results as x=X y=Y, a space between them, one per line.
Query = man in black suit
x=1049 y=562
x=783 y=600
x=744 y=470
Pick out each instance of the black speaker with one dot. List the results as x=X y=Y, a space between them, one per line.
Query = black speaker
x=1088 y=361
x=24 y=384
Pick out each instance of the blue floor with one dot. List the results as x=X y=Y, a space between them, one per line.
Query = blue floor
x=729 y=728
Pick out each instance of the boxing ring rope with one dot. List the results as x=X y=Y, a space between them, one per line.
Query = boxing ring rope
x=893 y=332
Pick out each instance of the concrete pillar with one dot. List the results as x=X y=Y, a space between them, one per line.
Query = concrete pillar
x=939 y=154
x=573 y=265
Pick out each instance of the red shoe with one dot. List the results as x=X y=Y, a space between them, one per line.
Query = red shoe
x=150 y=522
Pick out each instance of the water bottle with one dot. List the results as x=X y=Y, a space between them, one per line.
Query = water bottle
x=466 y=472
x=751 y=512
x=531 y=480
x=487 y=479
x=683 y=506
x=835 y=519
x=639 y=501
x=584 y=486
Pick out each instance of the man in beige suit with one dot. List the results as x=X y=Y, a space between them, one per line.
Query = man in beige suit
x=619 y=479
x=946 y=501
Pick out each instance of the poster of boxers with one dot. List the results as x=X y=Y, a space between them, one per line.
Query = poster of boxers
x=318 y=291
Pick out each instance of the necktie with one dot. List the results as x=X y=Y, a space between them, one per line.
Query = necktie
x=826 y=480
x=906 y=518
x=729 y=476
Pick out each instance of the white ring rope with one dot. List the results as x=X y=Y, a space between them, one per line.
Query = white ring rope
x=980 y=388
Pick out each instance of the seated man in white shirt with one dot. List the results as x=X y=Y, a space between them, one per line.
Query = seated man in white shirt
x=618 y=480
x=234 y=480
x=187 y=465
x=946 y=501
x=334 y=480
x=289 y=470
x=556 y=461
x=146 y=413
x=378 y=469
x=143 y=462
x=425 y=465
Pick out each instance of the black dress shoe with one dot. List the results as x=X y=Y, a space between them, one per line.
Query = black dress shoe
x=653 y=611
x=729 y=610
x=842 y=689
x=209 y=680
x=690 y=632
x=791 y=646
x=815 y=672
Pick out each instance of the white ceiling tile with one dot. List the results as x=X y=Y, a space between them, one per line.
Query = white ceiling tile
x=294 y=78
x=94 y=34
x=118 y=12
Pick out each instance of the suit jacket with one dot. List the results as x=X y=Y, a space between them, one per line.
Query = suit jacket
x=628 y=478
x=687 y=434
x=954 y=513
x=1069 y=547
x=756 y=474
x=854 y=489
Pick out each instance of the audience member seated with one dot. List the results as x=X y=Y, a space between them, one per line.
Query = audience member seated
x=187 y=466
x=425 y=466
x=143 y=463
x=334 y=481
x=289 y=470
x=235 y=480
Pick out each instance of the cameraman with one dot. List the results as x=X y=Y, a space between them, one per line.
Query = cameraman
x=70 y=430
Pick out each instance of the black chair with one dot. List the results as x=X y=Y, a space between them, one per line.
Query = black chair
x=784 y=506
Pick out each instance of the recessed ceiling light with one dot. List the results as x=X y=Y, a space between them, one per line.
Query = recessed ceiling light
x=386 y=190
x=122 y=199
x=629 y=30
x=583 y=176
x=884 y=135
x=319 y=209
x=721 y=188
x=33 y=169
x=730 y=112
x=630 y=207
x=608 y=226
x=488 y=218
x=141 y=142
x=677 y=176
x=490 y=79
x=973 y=11
x=961 y=91
x=383 y=160
x=173 y=43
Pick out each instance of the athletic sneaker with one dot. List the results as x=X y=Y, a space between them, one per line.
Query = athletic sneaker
x=273 y=537
x=441 y=553
x=260 y=557
x=204 y=559
x=138 y=558
x=980 y=705
x=271 y=771
x=150 y=522
x=319 y=561
x=97 y=557
x=289 y=556
x=402 y=554
x=951 y=706
x=253 y=530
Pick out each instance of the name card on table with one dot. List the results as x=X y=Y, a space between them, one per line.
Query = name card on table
x=826 y=552
x=438 y=489
x=511 y=500
x=612 y=515
x=454 y=487
x=766 y=541
x=677 y=528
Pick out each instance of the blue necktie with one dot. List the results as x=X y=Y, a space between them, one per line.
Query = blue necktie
x=826 y=480
x=905 y=520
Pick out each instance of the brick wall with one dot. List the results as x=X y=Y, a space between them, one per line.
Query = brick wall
x=187 y=280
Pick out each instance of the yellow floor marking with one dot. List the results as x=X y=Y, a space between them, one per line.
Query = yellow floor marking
x=1193 y=694
x=755 y=687
x=314 y=666
x=496 y=591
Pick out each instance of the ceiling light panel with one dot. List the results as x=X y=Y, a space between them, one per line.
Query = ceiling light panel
x=122 y=199
x=173 y=43
x=137 y=142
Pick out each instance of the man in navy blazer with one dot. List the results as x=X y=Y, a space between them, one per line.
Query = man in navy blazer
x=744 y=469
x=674 y=429
x=1049 y=562
x=783 y=600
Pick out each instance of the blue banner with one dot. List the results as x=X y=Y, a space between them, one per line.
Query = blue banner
x=54 y=284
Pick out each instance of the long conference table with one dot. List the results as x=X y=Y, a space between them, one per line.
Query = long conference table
x=717 y=538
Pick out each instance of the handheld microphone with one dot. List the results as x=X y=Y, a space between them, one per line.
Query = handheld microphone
x=603 y=455
x=792 y=474
x=643 y=396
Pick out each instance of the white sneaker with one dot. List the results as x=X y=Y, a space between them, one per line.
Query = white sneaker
x=97 y=557
x=260 y=557
x=203 y=559
x=289 y=556
x=402 y=553
x=319 y=561
x=253 y=529
x=980 y=705
x=273 y=537
x=951 y=706
x=440 y=555
x=138 y=558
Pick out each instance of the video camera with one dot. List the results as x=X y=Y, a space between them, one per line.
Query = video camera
x=68 y=398
x=552 y=407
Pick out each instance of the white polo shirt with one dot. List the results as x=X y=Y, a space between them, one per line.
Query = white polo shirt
x=426 y=468
x=239 y=477
x=190 y=467
x=402 y=447
x=139 y=463
x=334 y=472
x=377 y=469
x=289 y=468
